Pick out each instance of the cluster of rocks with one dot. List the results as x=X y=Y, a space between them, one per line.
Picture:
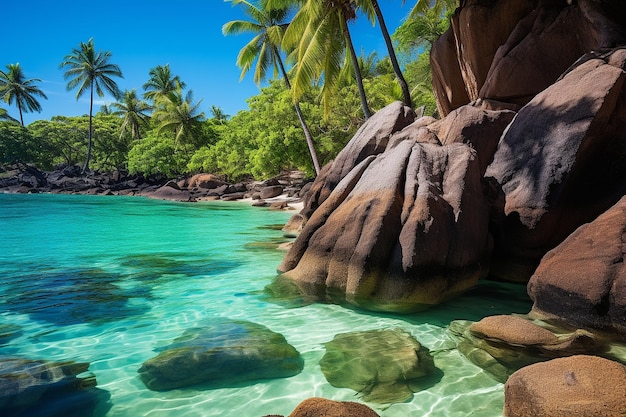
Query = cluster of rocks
x=522 y=179
x=383 y=366
x=199 y=187
x=415 y=210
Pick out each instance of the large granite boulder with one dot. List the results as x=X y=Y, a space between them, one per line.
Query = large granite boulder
x=384 y=366
x=475 y=51
x=402 y=231
x=526 y=63
x=222 y=353
x=583 y=280
x=38 y=387
x=560 y=163
x=518 y=60
x=579 y=385
x=371 y=139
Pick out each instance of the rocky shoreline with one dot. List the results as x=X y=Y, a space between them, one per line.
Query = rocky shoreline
x=284 y=191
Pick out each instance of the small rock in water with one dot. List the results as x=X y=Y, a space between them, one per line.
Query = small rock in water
x=383 y=365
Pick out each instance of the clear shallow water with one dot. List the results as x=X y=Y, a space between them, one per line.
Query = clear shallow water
x=108 y=280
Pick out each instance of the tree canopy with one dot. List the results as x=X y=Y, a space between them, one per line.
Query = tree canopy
x=313 y=85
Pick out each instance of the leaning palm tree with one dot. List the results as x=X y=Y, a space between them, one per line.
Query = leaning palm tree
x=268 y=25
x=135 y=113
x=161 y=82
x=320 y=35
x=91 y=71
x=406 y=94
x=14 y=87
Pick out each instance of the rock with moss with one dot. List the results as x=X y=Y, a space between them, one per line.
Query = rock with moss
x=223 y=353
x=384 y=366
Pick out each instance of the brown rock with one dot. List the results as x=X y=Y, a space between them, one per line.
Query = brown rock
x=559 y=164
x=475 y=126
x=402 y=231
x=573 y=386
x=169 y=191
x=294 y=226
x=448 y=84
x=498 y=19
x=371 y=139
x=526 y=64
x=320 y=407
x=205 y=181
x=583 y=280
x=271 y=191
x=513 y=330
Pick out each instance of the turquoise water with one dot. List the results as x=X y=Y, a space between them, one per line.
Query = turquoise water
x=110 y=280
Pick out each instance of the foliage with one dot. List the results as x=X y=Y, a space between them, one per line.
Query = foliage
x=169 y=135
x=268 y=26
x=418 y=33
x=319 y=36
x=63 y=141
x=16 y=143
x=267 y=138
x=156 y=154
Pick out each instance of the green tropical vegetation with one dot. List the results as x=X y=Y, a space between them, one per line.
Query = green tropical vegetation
x=315 y=92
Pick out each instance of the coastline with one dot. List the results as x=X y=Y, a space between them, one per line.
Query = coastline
x=282 y=192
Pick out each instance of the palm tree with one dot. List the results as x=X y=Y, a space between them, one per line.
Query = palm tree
x=14 y=87
x=179 y=114
x=134 y=112
x=268 y=26
x=89 y=70
x=218 y=114
x=161 y=82
x=320 y=35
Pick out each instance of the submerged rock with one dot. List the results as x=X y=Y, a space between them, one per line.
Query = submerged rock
x=575 y=386
x=9 y=332
x=38 y=387
x=221 y=353
x=385 y=366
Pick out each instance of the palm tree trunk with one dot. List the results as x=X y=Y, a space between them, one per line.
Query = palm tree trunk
x=357 y=71
x=90 y=134
x=392 y=55
x=305 y=127
x=20 y=110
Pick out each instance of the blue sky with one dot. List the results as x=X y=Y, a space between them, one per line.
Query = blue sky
x=140 y=34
